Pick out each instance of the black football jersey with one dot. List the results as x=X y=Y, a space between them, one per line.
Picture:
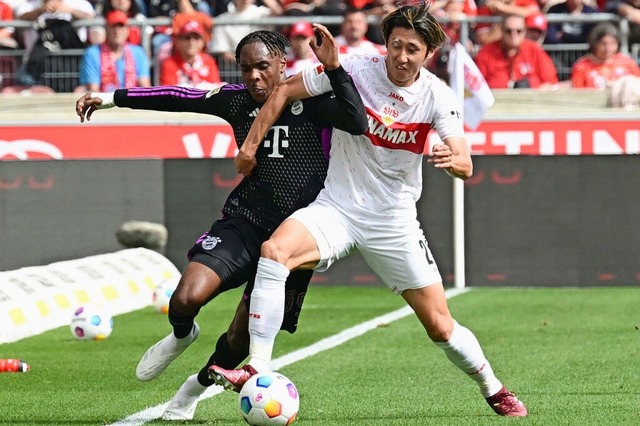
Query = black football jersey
x=293 y=157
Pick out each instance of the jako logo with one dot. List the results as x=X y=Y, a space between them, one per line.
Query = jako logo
x=21 y=148
x=396 y=96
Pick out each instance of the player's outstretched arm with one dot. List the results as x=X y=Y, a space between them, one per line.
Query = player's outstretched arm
x=158 y=98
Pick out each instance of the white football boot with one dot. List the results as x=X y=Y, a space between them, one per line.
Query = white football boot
x=159 y=356
x=183 y=405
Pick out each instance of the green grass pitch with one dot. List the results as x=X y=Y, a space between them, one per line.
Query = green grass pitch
x=572 y=355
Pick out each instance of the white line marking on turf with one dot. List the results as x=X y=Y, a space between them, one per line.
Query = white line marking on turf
x=153 y=413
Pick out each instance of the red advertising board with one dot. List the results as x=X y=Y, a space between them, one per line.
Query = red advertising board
x=544 y=137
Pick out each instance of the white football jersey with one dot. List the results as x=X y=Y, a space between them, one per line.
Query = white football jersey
x=379 y=175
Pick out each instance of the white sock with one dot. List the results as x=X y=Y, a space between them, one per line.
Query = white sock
x=266 y=312
x=464 y=351
x=192 y=386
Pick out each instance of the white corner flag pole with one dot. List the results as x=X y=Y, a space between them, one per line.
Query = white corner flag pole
x=456 y=72
x=458 y=234
x=465 y=75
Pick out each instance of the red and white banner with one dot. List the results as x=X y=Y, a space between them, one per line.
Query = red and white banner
x=544 y=137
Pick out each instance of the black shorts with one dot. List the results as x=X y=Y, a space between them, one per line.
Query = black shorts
x=231 y=248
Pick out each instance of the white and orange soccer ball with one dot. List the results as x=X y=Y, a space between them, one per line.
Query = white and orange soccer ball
x=162 y=295
x=269 y=399
x=91 y=322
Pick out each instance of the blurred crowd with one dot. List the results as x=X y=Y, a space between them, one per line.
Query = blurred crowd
x=509 y=51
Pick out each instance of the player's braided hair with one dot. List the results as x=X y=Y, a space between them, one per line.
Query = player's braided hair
x=415 y=16
x=275 y=42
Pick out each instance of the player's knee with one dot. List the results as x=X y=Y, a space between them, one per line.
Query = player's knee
x=272 y=250
x=440 y=328
x=185 y=301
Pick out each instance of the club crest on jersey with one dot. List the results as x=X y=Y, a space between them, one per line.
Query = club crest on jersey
x=210 y=242
x=389 y=115
x=296 y=107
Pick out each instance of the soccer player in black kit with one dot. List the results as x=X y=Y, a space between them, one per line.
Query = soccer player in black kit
x=291 y=167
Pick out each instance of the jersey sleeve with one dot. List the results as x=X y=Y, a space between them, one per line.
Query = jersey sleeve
x=316 y=81
x=447 y=120
x=178 y=99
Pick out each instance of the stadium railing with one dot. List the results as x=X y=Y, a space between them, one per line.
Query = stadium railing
x=62 y=68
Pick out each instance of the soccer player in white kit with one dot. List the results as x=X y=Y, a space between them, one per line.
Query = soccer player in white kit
x=369 y=199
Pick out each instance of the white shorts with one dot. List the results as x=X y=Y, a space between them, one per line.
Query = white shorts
x=397 y=253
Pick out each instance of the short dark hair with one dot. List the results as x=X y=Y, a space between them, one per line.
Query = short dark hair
x=275 y=42
x=415 y=17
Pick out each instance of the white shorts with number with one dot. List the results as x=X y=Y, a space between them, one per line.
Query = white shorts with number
x=397 y=253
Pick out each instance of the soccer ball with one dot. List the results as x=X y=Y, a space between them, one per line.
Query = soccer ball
x=91 y=322
x=161 y=296
x=269 y=399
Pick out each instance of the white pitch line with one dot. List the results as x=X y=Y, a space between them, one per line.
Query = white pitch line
x=153 y=413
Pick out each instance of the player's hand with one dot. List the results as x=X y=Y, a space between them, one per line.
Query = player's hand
x=245 y=162
x=86 y=105
x=441 y=156
x=327 y=51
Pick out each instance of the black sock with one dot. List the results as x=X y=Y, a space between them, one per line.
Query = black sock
x=182 y=325
x=223 y=356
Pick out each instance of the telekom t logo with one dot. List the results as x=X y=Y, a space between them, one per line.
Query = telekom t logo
x=279 y=140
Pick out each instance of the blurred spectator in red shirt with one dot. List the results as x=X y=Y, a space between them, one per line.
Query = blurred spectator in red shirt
x=352 y=40
x=487 y=32
x=570 y=32
x=536 y=27
x=514 y=61
x=161 y=38
x=190 y=65
x=179 y=19
x=604 y=63
x=300 y=56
